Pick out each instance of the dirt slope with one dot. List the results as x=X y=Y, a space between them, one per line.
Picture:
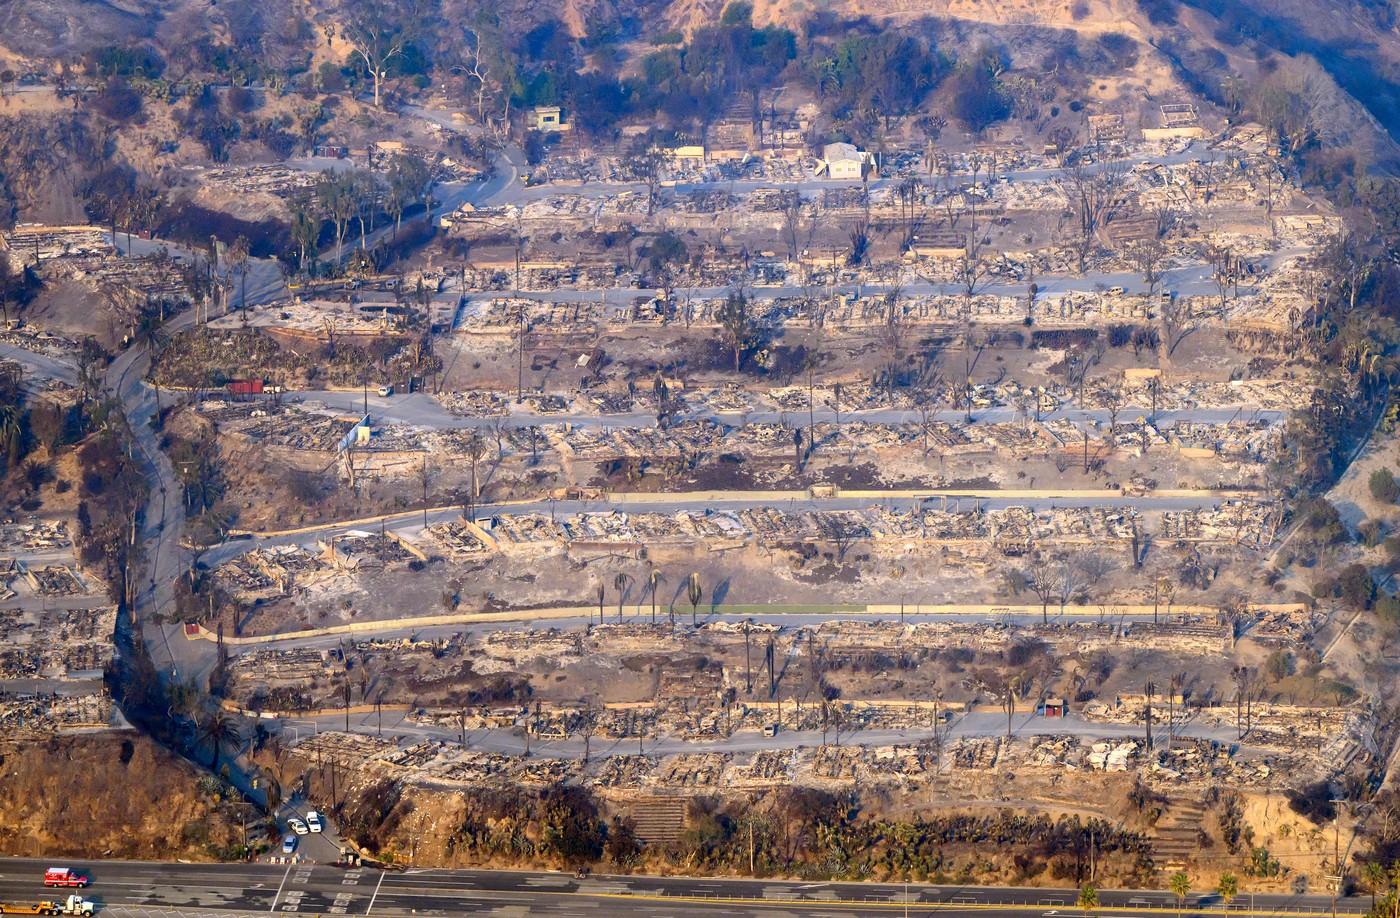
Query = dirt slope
x=44 y=28
x=1082 y=15
x=113 y=794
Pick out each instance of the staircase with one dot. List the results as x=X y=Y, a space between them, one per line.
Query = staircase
x=659 y=820
x=1174 y=836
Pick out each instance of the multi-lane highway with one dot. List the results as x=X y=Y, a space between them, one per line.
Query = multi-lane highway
x=121 y=887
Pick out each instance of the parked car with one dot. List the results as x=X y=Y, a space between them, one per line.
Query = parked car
x=297 y=826
x=386 y=391
x=313 y=821
x=289 y=844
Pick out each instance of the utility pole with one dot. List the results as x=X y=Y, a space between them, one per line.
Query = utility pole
x=1147 y=715
x=1337 y=854
x=811 y=406
x=520 y=351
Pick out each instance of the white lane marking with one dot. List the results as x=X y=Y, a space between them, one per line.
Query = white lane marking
x=376 y=892
x=273 y=908
x=177 y=884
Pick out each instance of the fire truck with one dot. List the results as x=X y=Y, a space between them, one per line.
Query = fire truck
x=64 y=876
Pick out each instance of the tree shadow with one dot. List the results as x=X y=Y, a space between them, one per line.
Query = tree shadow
x=717 y=598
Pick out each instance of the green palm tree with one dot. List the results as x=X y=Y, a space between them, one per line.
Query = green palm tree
x=1181 y=885
x=221 y=728
x=10 y=417
x=7 y=279
x=272 y=793
x=272 y=801
x=1228 y=887
x=306 y=230
x=1088 y=897
x=1374 y=876
x=91 y=364
x=183 y=699
x=148 y=333
x=237 y=258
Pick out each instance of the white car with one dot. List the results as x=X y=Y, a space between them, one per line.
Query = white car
x=386 y=391
x=313 y=821
x=297 y=826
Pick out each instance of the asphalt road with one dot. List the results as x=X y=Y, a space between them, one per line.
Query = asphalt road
x=324 y=890
x=1186 y=280
x=807 y=187
x=510 y=741
x=1190 y=280
x=413 y=519
x=39 y=369
x=164 y=518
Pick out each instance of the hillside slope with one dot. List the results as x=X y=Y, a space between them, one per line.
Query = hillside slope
x=36 y=29
x=109 y=795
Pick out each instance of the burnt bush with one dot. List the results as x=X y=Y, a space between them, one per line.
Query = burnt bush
x=118 y=102
x=1064 y=338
